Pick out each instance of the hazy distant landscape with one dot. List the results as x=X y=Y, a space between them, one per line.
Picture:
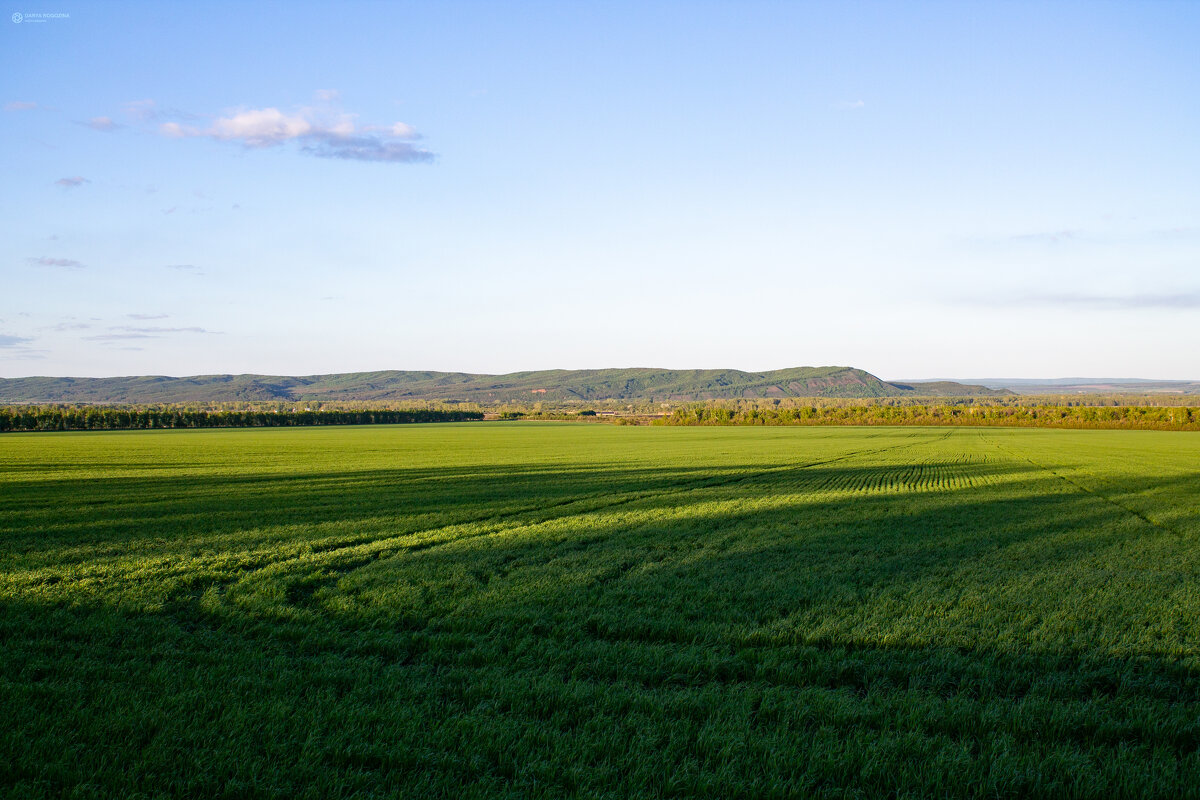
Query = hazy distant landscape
x=1087 y=385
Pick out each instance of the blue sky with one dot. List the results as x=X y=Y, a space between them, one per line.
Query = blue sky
x=917 y=189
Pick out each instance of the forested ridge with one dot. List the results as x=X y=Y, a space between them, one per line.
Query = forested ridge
x=560 y=386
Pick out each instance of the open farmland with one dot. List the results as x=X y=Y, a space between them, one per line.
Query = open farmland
x=551 y=609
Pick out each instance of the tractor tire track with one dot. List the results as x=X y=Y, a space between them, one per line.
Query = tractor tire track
x=1091 y=492
x=340 y=561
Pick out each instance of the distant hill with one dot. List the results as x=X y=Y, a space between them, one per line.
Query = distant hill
x=1089 y=385
x=554 y=386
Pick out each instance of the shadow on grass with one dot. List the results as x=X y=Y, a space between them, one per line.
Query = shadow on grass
x=991 y=622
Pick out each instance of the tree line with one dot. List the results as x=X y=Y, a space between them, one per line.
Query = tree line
x=1172 y=418
x=1138 y=417
x=56 y=418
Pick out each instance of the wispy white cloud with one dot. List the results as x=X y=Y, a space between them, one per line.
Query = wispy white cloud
x=256 y=128
x=192 y=268
x=158 y=329
x=8 y=340
x=141 y=110
x=1179 y=231
x=46 y=261
x=20 y=105
x=319 y=132
x=120 y=333
x=147 y=316
x=71 y=183
x=102 y=124
x=849 y=105
x=150 y=111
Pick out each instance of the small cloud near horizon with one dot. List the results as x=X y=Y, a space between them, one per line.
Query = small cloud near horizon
x=147 y=316
x=114 y=337
x=45 y=261
x=71 y=183
x=1168 y=300
x=16 y=348
x=1082 y=236
x=158 y=329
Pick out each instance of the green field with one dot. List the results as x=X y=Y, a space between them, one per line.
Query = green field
x=546 y=610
